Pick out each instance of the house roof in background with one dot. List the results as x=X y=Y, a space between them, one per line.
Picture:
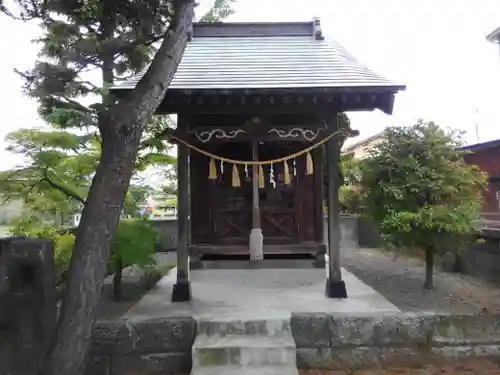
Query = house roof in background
x=363 y=142
x=494 y=36
x=227 y=56
x=481 y=146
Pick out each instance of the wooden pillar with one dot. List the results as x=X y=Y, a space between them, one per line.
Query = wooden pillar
x=319 y=214
x=335 y=286
x=255 y=189
x=182 y=289
x=256 y=239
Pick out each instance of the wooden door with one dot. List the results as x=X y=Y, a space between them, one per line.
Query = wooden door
x=232 y=206
x=277 y=200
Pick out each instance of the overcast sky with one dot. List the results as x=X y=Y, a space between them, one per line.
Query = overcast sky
x=436 y=47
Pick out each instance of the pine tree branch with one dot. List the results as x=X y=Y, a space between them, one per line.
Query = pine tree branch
x=151 y=88
x=77 y=105
x=61 y=188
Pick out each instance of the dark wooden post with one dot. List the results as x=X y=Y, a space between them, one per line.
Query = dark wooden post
x=255 y=190
x=256 y=239
x=182 y=288
x=335 y=286
x=319 y=214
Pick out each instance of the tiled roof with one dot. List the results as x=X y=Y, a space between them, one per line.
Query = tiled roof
x=268 y=56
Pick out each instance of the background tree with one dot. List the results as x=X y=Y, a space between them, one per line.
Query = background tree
x=419 y=189
x=350 y=193
x=112 y=39
x=59 y=165
x=136 y=198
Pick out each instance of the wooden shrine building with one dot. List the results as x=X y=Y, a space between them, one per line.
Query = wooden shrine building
x=268 y=94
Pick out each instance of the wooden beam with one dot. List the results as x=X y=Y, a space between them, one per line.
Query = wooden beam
x=253 y=104
x=269 y=133
x=182 y=288
x=335 y=286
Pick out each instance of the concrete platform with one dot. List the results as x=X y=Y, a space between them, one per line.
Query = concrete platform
x=257 y=293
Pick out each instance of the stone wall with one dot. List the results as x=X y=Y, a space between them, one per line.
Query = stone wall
x=347 y=342
x=167 y=233
x=348 y=231
x=480 y=260
x=154 y=346
x=323 y=341
x=368 y=233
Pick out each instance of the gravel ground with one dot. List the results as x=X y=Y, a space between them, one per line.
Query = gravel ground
x=400 y=280
x=472 y=367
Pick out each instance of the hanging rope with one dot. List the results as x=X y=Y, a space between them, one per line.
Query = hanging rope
x=262 y=162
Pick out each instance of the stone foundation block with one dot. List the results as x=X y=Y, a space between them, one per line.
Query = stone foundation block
x=313 y=358
x=112 y=337
x=450 y=353
x=467 y=329
x=337 y=358
x=151 y=364
x=310 y=330
x=488 y=351
x=164 y=335
x=403 y=329
x=349 y=330
x=402 y=356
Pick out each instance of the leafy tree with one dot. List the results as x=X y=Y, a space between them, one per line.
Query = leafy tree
x=419 y=189
x=220 y=10
x=350 y=193
x=137 y=195
x=113 y=39
x=56 y=176
x=351 y=170
x=60 y=165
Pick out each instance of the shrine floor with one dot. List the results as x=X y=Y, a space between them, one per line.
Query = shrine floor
x=259 y=293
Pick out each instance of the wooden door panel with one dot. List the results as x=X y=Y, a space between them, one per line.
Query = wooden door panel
x=278 y=226
x=232 y=226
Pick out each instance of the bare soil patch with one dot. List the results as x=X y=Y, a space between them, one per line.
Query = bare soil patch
x=400 y=279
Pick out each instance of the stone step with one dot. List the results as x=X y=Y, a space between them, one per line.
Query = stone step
x=239 y=370
x=273 y=326
x=249 y=350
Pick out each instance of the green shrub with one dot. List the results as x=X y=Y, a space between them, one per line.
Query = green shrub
x=350 y=199
x=33 y=227
x=135 y=243
x=63 y=247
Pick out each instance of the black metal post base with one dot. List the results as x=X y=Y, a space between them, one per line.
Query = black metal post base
x=335 y=289
x=181 y=292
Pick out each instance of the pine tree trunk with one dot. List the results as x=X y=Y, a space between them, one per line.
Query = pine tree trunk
x=429 y=267
x=90 y=256
x=121 y=130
